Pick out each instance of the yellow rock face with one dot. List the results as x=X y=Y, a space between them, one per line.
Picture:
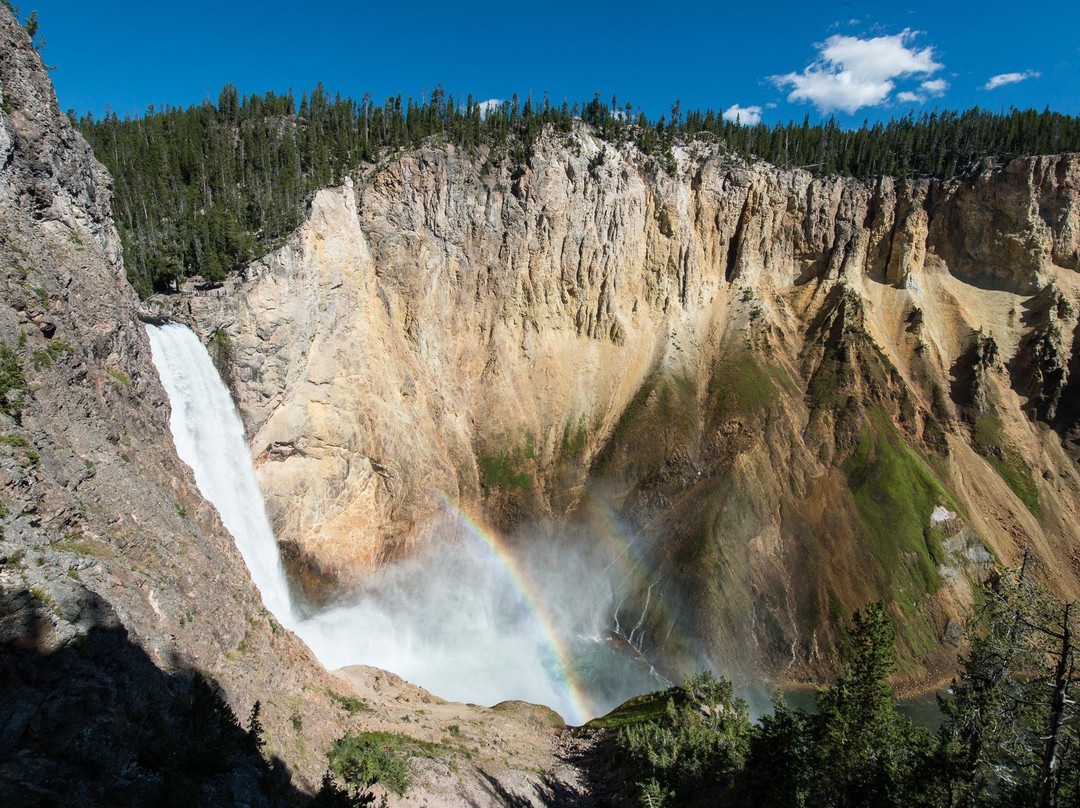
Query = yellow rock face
x=441 y=331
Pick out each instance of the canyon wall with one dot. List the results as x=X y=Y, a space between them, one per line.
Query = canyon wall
x=772 y=379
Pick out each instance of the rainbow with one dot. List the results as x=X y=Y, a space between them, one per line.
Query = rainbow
x=566 y=675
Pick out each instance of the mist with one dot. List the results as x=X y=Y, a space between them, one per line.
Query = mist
x=457 y=620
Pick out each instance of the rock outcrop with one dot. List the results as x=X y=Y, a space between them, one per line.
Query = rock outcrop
x=742 y=360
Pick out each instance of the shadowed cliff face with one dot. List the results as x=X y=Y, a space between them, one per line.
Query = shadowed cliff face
x=773 y=377
x=96 y=721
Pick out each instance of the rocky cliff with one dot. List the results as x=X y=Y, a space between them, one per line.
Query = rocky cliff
x=117 y=579
x=799 y=393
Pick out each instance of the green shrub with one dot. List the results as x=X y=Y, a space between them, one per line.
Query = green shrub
x=43 y=297
x=703 y=736
x=221 y=347
x=359 y=760
x=44 y=357
x=12 y=382
x=120 y=377
x=350 y=704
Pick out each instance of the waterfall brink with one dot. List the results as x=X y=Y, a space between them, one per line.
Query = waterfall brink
x=209 y=437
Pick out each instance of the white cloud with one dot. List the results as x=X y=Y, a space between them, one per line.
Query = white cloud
x=850 y=73
x=1002 y=79
x=490 y=105
x=934 y=87
x=749 y=116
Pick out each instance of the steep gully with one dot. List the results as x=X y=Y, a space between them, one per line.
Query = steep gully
x=472 y=622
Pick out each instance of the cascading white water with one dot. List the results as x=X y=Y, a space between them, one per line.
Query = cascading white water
x=209 y=437
x=450 y=619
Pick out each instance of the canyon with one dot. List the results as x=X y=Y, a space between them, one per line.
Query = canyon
x=780 y=395
x=768 y=382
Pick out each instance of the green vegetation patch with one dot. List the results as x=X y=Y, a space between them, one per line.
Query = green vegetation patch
x=43 y=297
x=31 y=457
x=1017 y=474
x=663 y=405
x=989 y=433
x=825 y=387
x=676 y=403
x=1006 y=461
x=637 y=406
x=359 y=760
x=649 y=707
x=120 y=377
x=350 y=704
x=895 y=492
x=202 y=190
x=573 y=440
x=81 y=548
x=506 y=469
x=743 y=385
x=12 y=382
x=663 y=409
x=702 y=735
x=221 y=347
x=53 y=350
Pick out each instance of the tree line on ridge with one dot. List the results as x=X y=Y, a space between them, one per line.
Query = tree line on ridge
x=205 y=189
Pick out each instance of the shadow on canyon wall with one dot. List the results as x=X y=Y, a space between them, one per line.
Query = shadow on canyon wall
x=93 y=721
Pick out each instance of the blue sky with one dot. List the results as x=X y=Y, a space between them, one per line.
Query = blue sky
x=777 y=61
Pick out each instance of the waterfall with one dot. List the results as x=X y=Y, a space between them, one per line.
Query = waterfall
x=468 y=620
x=209 y=437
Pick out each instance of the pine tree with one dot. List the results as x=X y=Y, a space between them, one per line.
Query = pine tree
x=866 y=751
x=1012 y=717
x=255 y=161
